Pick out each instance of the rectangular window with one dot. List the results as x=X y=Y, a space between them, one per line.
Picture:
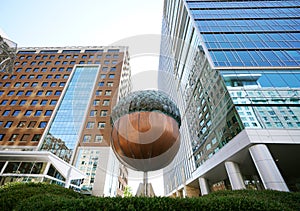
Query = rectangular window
x=25 y=137
x=57 y=76
x=21 y=124
x=18 y=84
x=6 y=113
x=98 y=138
x=87 y=138
x=4 y=102
x=110 y=84
x=38 y=113
x=62 y=84
x=16 y=112
x=26 y=84
x=13 y=137
x=34 y=84
x=53 y=102
x=42 y=124
x=96 y=102
x=44 y=102
x=39 y=76
x=39 y=93
x=108 y=93
x=34 y=102
x=13 y=102
x=32 y=124
x=1 y=136
x=98 y=92
x=28 y=93
x=53 y=84
x=53 y=69
x=101 y=83
x=22 y=102
x=101 y=125
x=102 y=76
x=48 y=113
x=48 y=93
x=8 y=124
x=93 y=113
x=36 y=137
x=57 y=93
x=103 y=113
x=20 y=93
x=28 y=113
x=44 y=84
x=105 y=103
x=90 y=125
x=10 y=93
x=49 y=76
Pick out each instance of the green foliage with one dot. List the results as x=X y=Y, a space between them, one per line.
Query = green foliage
x=127 y=191
x=41 y=196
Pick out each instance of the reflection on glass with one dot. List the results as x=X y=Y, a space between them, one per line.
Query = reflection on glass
x=65 y=129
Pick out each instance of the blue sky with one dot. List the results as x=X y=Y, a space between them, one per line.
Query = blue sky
x=56 y=23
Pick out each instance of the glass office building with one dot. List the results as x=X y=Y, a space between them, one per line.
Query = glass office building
x=236 y=67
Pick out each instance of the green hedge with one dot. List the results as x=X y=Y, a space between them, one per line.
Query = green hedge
x=40 y=196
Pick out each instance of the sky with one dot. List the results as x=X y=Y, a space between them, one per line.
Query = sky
x=59 y=23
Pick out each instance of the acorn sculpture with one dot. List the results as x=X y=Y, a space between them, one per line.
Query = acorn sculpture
x=145 y=130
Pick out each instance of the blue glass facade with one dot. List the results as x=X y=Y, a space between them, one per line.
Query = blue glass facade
x=65 y=129
x=235 y=65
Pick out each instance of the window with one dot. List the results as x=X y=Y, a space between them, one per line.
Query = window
x=113 y=69
x=52 y=57
x=66 y=76
x=28 y=113
x=69 y=69
x=28 y=93
x=13 y=77
x=62 y=84
x=41 y=63
x=42 y=124
x=61 y=69
x=39 y=76
x=90 y=125
x=31 y=77
x=4 y=102
x=32 y=124
x=57 y=62
x=103 y=113
x=6 y=113
x=102 y=76
x=8 y=124
x=16 y=112
x=7 y=84
x=49 y=76
x=25 y=137
x=57 y=93
x=53 y=84
x=81 y=62
x=60 y=56
x=87 y=138
x=1 y=93
x=108 y=92
x=13 y=137
x=48 y=93
x=105 y=103
x=106 y=62
x=93 y=112
x=44 y=84
x=101 y=83
x=34 y=84
x=57 y=76
x=21 y=124
x=104 y=68
x=27 y=70
x=39 y=93
x=98 y=138
x=64 y=62
x=44 y=102
x=53 y=102
x=22 y=102
x=44 y=70
x=101 y=125
x=48 y=113
x=1 y=136
x=53 y=69
x=17 y=84
x=36 y=137
x=38 y=113
x=110 y=84
x=48 y=63
x=19 y=93
x=26 y=84
x=96 y=102
x=72 y=62
x=22 y=76
x=98 y=92
x=13 y=102
x=34 y=102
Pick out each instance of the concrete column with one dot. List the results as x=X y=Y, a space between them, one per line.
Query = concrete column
x=267 y=169
x=204 y=188
x=234 y=175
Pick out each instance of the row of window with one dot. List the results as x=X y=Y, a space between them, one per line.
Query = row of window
x=25 y=137
x=104 y=102
x=98 y=56
x=27 y=112
x=57 y=76
x=90 y=125
x=54 y=69
x=103 y=113
x=23 y=102
x=107 y=92
x=34 y=84
x=109 y=84
x=88 y=138
x=34 y=63
x=29 y=92
x=22 y=124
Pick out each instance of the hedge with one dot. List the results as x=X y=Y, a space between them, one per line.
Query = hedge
x=41 y=196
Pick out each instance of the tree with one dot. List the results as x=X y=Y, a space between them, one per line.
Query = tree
x=127 y=191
